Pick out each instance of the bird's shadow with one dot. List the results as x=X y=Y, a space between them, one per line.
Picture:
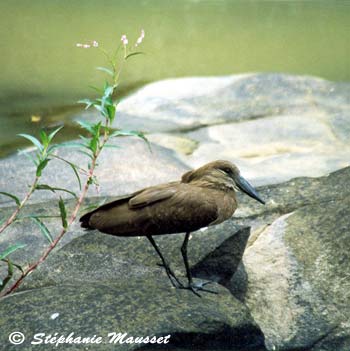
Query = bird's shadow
x=224 y=265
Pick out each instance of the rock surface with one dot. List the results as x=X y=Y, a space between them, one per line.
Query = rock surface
x=120 y=171
x=296 y=271
x=291 y=289
x=139 y=308
x=100 y=284
x=97 y=257
x=273 y=126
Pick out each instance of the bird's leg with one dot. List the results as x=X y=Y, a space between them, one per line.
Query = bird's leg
x=185 y=258
x=171 y=275
x=191 y=286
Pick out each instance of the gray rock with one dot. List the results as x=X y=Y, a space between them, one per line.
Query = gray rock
x=294 y=276
x=97 y=257
x=296 y=280
x=101 y=284
x=288 y=197
x=274 y=149
x=274 y=126
x=138 y=307
x=189 y=103
x=120 y=171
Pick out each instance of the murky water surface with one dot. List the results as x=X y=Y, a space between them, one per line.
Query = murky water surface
x=43 y=73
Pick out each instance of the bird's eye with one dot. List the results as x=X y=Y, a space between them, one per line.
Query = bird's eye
x=227 y=171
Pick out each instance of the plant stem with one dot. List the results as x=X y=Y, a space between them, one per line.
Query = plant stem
x=43 y=257
x=13 y=217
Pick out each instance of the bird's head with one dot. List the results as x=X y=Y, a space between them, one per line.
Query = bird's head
x=222 y=174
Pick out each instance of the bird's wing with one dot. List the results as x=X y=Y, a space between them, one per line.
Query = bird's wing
x=119 y=200
x=152 y=195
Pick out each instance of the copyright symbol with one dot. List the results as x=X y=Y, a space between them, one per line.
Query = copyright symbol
x=16 y=338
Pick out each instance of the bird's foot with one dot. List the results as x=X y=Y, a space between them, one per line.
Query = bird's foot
x=175 y=282
x=195 y=287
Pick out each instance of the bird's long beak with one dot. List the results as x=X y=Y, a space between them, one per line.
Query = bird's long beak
x=248 y=189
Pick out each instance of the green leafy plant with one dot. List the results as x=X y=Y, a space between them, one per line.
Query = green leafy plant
x=99 y=133
x=42 y=156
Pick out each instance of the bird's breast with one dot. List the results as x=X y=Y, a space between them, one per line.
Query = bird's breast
x=226 y=205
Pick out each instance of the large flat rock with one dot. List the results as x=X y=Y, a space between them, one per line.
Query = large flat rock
x=295 y=272
x=274 y=149
x=137 y=307
x=274 y=126
x=120 y=171
x=294 y=276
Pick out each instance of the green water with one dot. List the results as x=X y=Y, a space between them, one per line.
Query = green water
x=43 y=73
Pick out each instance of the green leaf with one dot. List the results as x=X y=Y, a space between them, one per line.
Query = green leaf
x=108 y=91
x=44 y=230
x=69 y=144
x=97 y=128
x=112 y=146
x=87 y=126
x=75 y=172
x=16 y=265
x=111 y=112
x=29 y=157
x=134 y=54
x=41 y=166
x=84 y=139
x=63 y=213
x=101 y=109
x=12 y=197
x=54 y=189
x=44 y=138
x=11 y=249
x=106 y=70
x=93 y=145
x=9 y=275
x=120 y=132
x=74 y=168
x=10 y=266
x=32 y=139
x=141 y=135
x=106 y=101
x=87 y=102
x=53 y=133
x=21 y=218
x=144 y=138
x=86 y=154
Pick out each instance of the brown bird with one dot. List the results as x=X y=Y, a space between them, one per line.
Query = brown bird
x=204 y=197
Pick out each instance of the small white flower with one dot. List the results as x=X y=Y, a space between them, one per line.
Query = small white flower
x=140 y=38
x=124 y=39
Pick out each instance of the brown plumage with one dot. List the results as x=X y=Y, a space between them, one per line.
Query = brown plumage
x=203 y=197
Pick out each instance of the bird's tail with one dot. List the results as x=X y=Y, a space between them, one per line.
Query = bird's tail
x=84 y=220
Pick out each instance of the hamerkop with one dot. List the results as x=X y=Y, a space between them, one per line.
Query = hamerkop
x=204 y=197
